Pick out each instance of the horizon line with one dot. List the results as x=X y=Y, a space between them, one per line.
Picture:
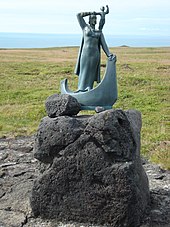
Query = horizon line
x=50 y=33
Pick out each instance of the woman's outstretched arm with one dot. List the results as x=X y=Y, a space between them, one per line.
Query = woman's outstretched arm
x=106 y=49
x=104 y=46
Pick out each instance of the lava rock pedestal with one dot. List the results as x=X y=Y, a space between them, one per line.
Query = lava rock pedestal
x=95 y=173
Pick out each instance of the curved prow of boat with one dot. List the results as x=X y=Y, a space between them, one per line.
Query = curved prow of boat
x=103 y=95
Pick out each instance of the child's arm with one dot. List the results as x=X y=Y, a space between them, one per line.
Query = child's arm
x=107 y=9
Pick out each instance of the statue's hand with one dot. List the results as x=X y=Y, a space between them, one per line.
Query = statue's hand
x=84 y=14
x=112 y=57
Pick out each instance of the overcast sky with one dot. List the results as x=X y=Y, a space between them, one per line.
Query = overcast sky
x=130 y=17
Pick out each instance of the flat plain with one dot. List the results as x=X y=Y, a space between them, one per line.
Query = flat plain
x=29 y=76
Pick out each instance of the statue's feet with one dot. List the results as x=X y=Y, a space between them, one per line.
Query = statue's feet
x=81 y=90
x=88 y=89
x=99 y=109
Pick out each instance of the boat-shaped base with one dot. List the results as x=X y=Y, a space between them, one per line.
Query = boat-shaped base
x=104 y=95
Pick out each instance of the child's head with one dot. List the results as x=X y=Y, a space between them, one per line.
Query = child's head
x=102 y=8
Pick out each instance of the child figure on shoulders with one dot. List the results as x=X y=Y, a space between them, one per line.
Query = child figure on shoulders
x=102 y=14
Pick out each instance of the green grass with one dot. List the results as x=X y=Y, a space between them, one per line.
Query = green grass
x=28 y=77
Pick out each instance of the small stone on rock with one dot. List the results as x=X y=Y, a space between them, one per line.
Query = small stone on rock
x=62 y=105
x=99 y=109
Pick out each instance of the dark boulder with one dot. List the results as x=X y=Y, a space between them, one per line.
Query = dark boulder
x=96 y=175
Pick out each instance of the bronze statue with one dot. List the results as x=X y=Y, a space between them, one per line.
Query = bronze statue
x=88 y=63
x=104 y=95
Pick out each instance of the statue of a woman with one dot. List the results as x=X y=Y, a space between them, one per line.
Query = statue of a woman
x=88 y=63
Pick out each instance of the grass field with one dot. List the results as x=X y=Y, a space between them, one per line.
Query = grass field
x=29 y=76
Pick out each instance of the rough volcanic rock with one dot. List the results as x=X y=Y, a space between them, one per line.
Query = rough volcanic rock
x=60 y=105
x=113 y=130
x=19 y=169
x=96 y=174
x=54 y=134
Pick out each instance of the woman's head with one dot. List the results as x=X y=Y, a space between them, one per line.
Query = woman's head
x=92 y=19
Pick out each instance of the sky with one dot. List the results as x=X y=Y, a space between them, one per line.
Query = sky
x=127 y=17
